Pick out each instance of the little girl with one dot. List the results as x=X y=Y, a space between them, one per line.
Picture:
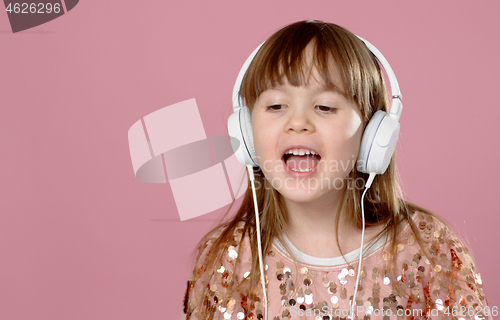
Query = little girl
x=332 y=237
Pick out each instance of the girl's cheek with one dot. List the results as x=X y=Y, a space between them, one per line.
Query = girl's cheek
x=353 y=128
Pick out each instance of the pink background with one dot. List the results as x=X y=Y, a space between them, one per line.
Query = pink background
x=81 y=238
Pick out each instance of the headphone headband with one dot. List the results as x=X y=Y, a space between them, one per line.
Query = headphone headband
x=237 y=100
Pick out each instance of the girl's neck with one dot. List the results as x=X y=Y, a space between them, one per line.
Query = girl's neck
x=311 y=228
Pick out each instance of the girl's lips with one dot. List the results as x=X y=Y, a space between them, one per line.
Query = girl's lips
x=298 y=174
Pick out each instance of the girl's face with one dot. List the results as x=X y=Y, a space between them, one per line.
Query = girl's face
x=288 y=119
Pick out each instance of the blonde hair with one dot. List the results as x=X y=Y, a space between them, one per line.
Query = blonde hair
x=283 y=56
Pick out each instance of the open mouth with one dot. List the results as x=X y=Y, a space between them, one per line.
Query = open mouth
x=301 y=160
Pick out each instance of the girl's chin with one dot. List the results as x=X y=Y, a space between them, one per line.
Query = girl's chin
x=300 y=194
x=308 y=189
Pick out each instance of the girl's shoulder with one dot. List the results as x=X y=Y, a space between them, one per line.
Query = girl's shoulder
x=226 y=245
x=221 y=256
x=432 y=240
x=435 y=253
x=435 y=234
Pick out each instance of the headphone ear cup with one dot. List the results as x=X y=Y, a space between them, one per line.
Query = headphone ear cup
x=367 y=140
x=378 y=143
x=247 y=131
x=239 y=126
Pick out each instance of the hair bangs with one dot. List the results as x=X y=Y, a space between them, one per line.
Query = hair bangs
x=285 y=56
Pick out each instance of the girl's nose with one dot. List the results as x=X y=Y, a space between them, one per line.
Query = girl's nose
x=299 y=121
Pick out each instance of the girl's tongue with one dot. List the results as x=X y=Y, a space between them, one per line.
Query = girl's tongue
x=302 y=163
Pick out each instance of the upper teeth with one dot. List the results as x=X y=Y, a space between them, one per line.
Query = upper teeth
x=300 y=152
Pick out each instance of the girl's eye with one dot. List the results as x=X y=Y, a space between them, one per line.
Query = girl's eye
x=326 y=109
x=276 y=107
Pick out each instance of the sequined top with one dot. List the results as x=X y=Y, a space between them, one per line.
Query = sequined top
x=449 y=287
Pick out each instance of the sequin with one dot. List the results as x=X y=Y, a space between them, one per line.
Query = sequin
x=221 y=269
x=325 y=281
x=421 y=225
x=232 y=252
x=401 y=247
x=478 y=317
x=411 y=239
x=369 y=310
x=439 y=304
x=246 y=274
x=309 y=298
x=343 y=293
x=307 y=281
x=387 y=281
x=240 y=315
x=332 y=288
x=284 y=301
x=290 y=284
x=479 y=282
x=385 y=255
x=351 y=273
x=437 y=268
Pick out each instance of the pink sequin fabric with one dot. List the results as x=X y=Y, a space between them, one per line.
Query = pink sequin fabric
x=444 y=286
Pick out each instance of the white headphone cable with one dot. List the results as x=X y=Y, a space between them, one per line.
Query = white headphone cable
x=367 y=186
x=259 y=245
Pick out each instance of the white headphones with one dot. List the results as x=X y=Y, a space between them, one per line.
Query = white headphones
x=379 y=138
